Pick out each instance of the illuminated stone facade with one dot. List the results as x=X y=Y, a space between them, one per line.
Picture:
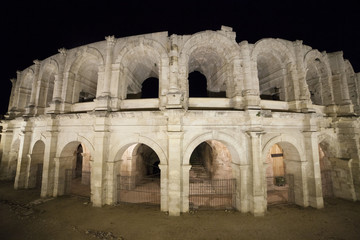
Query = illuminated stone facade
x=271 y=92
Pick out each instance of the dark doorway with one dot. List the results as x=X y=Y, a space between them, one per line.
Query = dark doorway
x=197 y=85
x=150 y=88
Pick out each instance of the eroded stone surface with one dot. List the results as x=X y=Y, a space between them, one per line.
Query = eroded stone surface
x=271 y=92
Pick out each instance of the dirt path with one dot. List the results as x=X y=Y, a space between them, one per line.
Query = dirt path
x=24 y=216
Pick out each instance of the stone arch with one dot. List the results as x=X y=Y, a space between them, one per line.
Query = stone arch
x=84 y=75
x=25 y=89
x=133 y=174
x=65 y=164
x=47 y=77
x=293 y=156
x=140 y=60
x=353 y=86
x=212 y=54
x=117 y=151
x=318 y=78
x=275 y=63
x=35 y=165
x=224 y=138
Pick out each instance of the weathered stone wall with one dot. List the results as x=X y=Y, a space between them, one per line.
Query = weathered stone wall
x=81 y=96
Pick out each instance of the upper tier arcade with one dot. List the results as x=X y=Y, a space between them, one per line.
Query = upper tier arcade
x=121 y=74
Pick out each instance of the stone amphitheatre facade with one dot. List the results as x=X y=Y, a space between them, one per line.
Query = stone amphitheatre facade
x=277 y=123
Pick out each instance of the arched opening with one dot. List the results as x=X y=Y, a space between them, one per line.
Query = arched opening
x=46 y=88
x=271 y=75
x=211 y=181
x=24 y=91
x=138 y=176
x=277 y=184
x=149 y=89
x=197 y=85
x=141 y=73
x=36 y=165
x=293 y=174
x=207 y=73
x=326 y=171
x=76 y=168
x=85 y=84
x=316 y=79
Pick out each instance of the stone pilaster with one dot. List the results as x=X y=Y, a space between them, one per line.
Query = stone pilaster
x=47 y=186
x=21 y=169
x=257 y=192
x=98 y=172
x=251 y=91
x=58 y=83
x=313 y=169
x=174 y=95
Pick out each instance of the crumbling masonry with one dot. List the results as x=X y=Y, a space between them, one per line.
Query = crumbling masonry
x=271 y=99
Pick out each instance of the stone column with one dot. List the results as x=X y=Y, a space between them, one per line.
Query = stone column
x=174 y=95
x=104 y=80
x=174 y=171
x=58 y=83
x=242 y=179
x=48 y=176
x=111 y=193
x=6 y=141
x=111 y=41
x=164 y=178
x=17 y=91
x=251 y=91
x=25 y=138
x=185 y=171
x=34 y=83
x=258 y=196
x=98 y=168
x=12 y=95
x=313 y=169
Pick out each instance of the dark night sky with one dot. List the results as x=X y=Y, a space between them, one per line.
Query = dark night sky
x=37 y=29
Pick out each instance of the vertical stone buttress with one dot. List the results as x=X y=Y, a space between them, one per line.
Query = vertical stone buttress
x=31 y=106
x=25 y=140
x=313 y=174
x=100 y=158
x=12 y=94
x=58 y=83
x=103 y=99
x=258 y=207
x=175 y=138
x=48 y=177
x=174 y=95
x=7 y=136
x=251 y=84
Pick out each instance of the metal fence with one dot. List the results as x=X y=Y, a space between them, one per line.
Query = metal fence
x=77 y=185
x=280 y=189
x=132 y=189
x=214 y=194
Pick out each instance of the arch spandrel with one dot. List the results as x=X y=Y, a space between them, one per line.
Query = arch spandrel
x=318 y=77
x=212 y=54
x=232 y=144
x=73 y=142
x=274 y=46
x=118 y=149
x=83 y=55
x=291 y=146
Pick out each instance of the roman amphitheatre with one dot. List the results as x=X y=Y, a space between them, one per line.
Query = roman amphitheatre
x=231 y=125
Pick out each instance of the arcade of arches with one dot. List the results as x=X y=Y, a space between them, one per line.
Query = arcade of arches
x=186 y=122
